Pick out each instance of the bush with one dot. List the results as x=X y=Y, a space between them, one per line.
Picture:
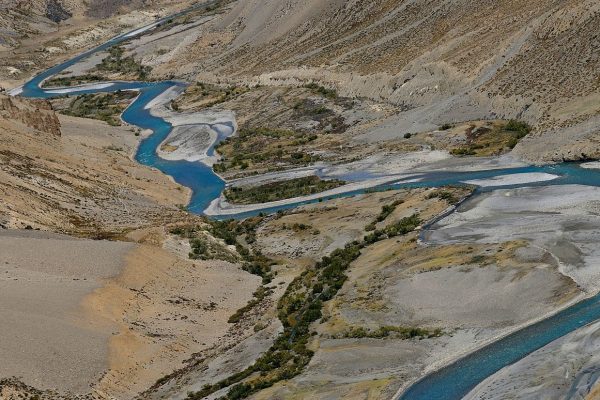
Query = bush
x=323 y=91
x=520 y=127
x=301 y=305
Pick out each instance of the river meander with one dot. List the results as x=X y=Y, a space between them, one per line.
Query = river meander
x=451 y=382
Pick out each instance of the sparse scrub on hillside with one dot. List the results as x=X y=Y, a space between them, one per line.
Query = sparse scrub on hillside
x=322 y=90
x=240 y=234
x=205 y=95
x=493 y=139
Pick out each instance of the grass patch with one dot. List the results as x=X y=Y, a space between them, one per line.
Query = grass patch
x=264 y=149
x=492 y=140
x=72 y=80
x=106 y=107
x=116 y=63
x=280 y=190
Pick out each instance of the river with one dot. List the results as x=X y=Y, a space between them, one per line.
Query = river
x=449 y=383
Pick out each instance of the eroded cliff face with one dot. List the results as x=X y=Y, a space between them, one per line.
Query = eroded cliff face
x=36 y=114
x=75 y=175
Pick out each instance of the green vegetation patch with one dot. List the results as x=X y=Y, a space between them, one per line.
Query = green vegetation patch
x=398 y=332
x=492 y=140
x=280 y=190
x=103 y=106
x=241 y=234
x=116 y=63
x=386 y=211
x=298 y=308
x=265 y=149
x=443 y=195
x=204 y=95
x=72 y=80
x=321 y=90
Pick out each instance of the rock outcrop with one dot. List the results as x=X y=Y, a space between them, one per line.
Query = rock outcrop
x=36 y=114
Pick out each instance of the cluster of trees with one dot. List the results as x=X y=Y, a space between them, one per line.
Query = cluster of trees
x=298 y=308
x=280 y=190
x=254 y=146
x=401 y=332
x=103 y=106
x=115 y=62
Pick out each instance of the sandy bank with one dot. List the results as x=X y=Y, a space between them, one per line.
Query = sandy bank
x=194 y=135
x=167 y=307
x=562 y=220
x=513 y=179
x=50 y=341
x=80 y=88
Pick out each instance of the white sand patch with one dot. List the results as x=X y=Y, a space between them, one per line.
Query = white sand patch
x=391 y=163
x=188 y=142
x=591 y=165
x=193 y=133
x=16 y=91
x=165 y=97
x=53 y=50
x=513 y=179
x=563 y=220
x=141 y=30
x=81 y=88
x=13 y=70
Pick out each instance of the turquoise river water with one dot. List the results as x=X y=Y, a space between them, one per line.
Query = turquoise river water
x=449 y=383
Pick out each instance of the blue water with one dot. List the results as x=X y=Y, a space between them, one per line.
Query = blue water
x=449 y=383
x=457 y=379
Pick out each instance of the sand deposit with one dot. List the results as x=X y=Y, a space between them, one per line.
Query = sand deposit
x=49 y=339
x=560 y=219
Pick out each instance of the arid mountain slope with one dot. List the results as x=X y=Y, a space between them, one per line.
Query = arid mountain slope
x=439 y=60
x=37 y=34
x=80 y=182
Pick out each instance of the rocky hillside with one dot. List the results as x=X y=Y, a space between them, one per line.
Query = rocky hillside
x=36 y=114
x=438 y=60
x=75 y=175
x=36 y=34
